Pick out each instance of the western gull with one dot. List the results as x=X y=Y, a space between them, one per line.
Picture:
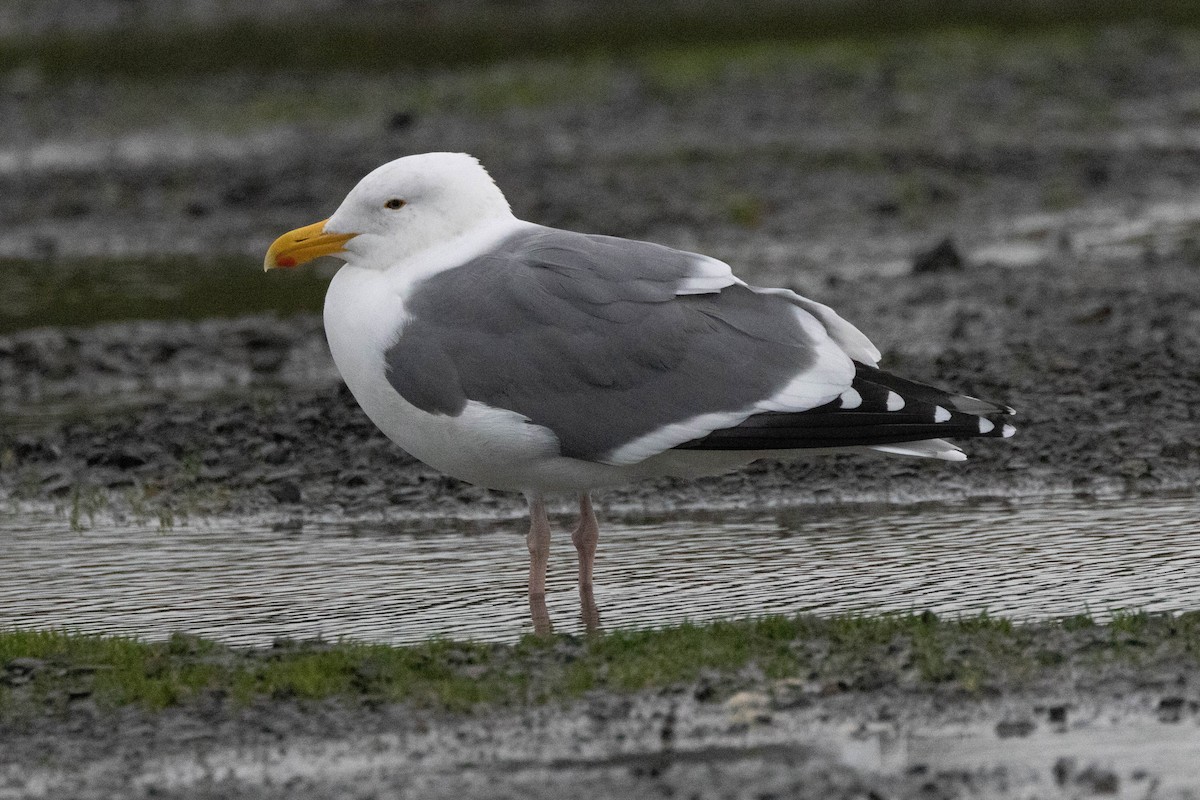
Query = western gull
x=525 y=358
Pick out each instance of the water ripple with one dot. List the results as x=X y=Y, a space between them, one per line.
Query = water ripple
x=245 y=583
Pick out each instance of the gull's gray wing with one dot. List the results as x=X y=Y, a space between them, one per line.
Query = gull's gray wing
x=623 y=349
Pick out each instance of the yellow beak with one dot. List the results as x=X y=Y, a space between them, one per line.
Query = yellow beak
x=303 y=245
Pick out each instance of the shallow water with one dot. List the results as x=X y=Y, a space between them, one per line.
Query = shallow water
x=247 y=583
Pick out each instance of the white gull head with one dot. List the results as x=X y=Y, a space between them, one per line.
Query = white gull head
x=413 y=203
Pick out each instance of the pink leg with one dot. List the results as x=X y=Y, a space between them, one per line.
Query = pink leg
x=585 y=536
x=539 y=555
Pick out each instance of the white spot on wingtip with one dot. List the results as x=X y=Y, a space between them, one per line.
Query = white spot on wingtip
x=940 y=414
x=953 y=455
x=986 y=425
x=1007 y=431
x=850 y=399
x=894 y=402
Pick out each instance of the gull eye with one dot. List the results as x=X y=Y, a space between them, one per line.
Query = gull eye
x=394 y=203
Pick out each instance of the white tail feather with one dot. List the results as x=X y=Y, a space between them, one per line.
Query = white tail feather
x=927 y=448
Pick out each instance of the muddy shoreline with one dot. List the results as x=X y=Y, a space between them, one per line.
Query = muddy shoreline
x=1102 y=376
x=1064 y=169
x=1108 y=709
x=665 y=743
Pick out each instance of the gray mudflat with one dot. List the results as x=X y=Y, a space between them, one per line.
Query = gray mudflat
x=1064 y=169
x=1102 y=373
x=1070 y=199
x=1123 y=734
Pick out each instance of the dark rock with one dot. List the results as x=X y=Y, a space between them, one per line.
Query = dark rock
x=1009 y=729
x=245 y=192
x=123 y=458
x=1096 y=174
x=267 y=360
x=275 y=454
x=286 y=492
x=27 y=447
x=1170 y=709
x=1178 y=449
x=942 y=257
x=886 y=208
x=24 y=665
x=401 y=120
x=1063 y=769
x=57 y=486
x=1093 y=317
x=20 y=671
x=1098 y=780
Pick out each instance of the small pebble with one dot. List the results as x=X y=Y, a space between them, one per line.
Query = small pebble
x=286 y=492
x=942 y=257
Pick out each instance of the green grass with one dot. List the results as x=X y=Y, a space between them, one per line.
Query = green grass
x=914 y=652
x=382 y=41
x=90 y=291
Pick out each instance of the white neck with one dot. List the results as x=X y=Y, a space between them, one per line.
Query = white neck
x=479 y=239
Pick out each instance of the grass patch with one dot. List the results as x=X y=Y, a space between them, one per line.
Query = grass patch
x=745 y=209
x=90 y=291
x=381 y=41
x=45 y=670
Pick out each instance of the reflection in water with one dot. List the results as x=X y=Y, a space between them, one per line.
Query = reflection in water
x=245 y=583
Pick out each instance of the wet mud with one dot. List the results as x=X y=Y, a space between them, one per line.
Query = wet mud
x=1070 y=206
x=1064 y=172
x=1104 y=731
x=1102 y=367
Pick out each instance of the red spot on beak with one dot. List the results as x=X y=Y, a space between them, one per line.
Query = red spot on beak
x=285 y=261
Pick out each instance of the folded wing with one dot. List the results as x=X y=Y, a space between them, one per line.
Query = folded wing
x=622 y=349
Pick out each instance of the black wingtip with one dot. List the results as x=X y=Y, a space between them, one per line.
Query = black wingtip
x=878 y=409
